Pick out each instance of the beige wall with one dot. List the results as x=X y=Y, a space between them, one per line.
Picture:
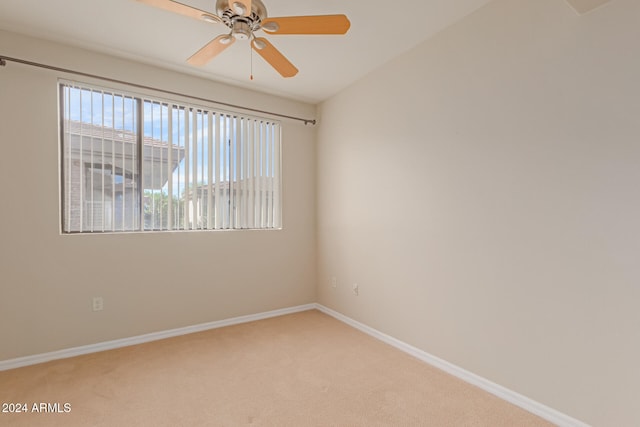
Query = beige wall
x=482 y=190
x=149 y=282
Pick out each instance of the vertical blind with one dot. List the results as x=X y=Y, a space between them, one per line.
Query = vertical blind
x=132 y=163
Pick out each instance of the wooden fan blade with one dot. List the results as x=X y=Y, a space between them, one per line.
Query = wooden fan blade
x=273 y=56
x=235 y=5
x=319 y=24
x=182 y=9
x=211 y=50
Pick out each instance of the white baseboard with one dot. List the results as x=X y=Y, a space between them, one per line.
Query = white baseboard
x=543 y=411
x=109 y=345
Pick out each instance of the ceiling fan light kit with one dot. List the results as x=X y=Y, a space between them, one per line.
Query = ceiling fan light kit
x=240 y=7
x=270 y=26
x=243 y=18
x=212 y=19
x=258 y=44
x=226 y=39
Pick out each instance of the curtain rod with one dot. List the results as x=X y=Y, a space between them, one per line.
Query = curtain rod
x=4 y=59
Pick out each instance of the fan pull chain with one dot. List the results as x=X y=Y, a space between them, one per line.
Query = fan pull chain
x=251 y=56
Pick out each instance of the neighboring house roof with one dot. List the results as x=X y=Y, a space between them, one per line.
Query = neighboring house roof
x=116 y=147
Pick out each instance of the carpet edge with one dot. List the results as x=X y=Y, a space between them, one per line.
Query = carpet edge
x=549 y=414
x=20 y=362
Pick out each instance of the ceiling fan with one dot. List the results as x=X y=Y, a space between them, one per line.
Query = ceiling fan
x=244 y=18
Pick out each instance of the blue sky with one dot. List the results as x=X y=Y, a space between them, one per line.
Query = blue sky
x=119 y=112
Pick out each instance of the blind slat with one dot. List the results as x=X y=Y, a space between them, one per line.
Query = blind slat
x=169 y=167
x=133 y=163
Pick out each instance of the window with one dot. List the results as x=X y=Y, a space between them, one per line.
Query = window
x=131 y=163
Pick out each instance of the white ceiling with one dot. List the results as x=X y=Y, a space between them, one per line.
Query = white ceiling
x=380 y=30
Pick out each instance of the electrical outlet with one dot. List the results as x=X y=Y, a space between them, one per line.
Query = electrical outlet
x=356 y=289
x=98 y=303
x=334 y=282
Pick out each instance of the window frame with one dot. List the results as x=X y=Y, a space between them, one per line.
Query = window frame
x=192 y=109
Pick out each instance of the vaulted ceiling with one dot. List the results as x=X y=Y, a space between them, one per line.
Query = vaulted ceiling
x=380 y=30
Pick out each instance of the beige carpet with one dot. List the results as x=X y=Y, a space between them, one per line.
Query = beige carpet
x=303 y=369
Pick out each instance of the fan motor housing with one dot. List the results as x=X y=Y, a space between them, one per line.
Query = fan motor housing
x=242 y=26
